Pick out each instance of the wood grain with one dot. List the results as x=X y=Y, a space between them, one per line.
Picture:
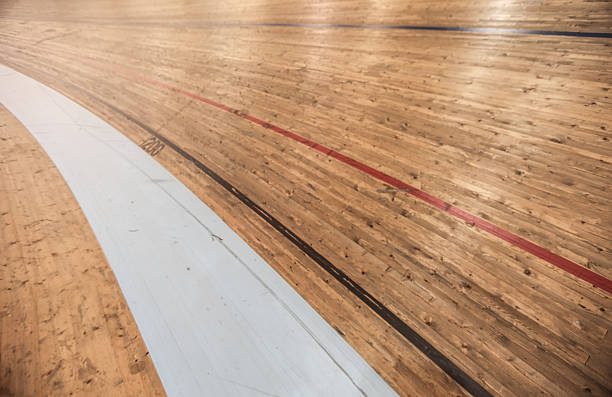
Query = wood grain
x=65 y=328
x=514 y=129
x=580 y=15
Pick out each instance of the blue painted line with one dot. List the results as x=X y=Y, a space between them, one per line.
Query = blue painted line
x=499 y=31
x=446 y=29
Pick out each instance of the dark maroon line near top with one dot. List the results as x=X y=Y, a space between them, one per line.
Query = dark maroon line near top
x=585 y=274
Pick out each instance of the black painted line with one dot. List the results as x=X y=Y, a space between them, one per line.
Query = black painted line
x=455 y=29
x=493 y=31
x=450 y=368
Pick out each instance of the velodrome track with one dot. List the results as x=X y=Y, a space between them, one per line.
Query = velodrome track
x=440 y=197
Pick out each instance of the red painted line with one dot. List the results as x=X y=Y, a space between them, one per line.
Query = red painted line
x=587 y=275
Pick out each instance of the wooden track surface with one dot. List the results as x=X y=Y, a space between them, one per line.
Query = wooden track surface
x=512 y=128
x=65 y=328
x=580 y=15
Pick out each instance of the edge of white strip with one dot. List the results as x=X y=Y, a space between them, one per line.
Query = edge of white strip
x=216 y=318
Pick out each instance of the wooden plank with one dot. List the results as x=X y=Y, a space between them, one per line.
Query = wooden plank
x=578 y=15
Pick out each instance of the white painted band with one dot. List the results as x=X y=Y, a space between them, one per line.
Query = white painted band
x=216 y=318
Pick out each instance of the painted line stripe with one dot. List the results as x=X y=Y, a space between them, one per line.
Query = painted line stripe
x=595 y=279
x=453 y=29
x=412 y=336
x=500 y=31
